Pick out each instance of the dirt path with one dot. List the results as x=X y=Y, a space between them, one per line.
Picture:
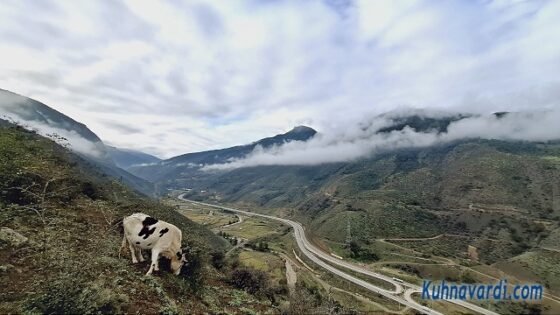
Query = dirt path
x=291 y=277
x=239 y=221
x=551 y=249
x=240 y=243
x=433 y=260
x=549 y=296
x=442 y=259
x=414 y=239
x=303 y=262
x=400 y=262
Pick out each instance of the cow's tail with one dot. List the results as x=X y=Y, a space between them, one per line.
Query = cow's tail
x=118 y=225
x=123 y=245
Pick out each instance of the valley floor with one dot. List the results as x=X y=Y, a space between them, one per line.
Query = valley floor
x=400 y=260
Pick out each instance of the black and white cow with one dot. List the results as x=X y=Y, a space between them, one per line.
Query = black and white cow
x=143 y=232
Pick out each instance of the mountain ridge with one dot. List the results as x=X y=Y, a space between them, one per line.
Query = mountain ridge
x=194 y=161
x=480 y=188
x=37 y=115
x=298 y=133
x=125 y=158
x=32 y=114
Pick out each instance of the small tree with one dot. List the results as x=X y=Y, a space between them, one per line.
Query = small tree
x=217 y=258
x=251 y=280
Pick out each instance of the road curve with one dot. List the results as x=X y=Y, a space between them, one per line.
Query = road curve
x=312 y=252
x=239 y=221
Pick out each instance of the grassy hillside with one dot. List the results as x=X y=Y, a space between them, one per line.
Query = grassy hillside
x=59 y=241
x=489 y=189
x=444 y=212
x=35 y=115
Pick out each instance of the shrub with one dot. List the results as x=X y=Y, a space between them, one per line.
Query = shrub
x=259 y=245
x=304 y=301
x=217 y=258
x=359 y=253
x=90 y=190
x=193 y=270
x=251 y=280
x=468 y=277
x=68 y=296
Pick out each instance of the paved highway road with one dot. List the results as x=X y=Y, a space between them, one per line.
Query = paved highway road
x=314 y=253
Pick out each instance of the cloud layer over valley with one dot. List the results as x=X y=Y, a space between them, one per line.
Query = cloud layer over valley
x=364 y=139
x=22 y=111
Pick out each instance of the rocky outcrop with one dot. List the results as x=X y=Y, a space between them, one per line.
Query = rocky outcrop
x=12 y=237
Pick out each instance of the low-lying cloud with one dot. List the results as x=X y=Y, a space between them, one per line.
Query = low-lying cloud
x=13 y=108
x=362 y=140
x=67 y=138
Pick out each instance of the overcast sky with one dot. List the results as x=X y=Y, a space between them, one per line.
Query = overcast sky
x=175 y=77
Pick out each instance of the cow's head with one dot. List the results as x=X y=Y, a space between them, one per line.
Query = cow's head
x=178 y=261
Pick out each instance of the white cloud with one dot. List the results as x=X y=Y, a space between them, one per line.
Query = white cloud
x=196 y=75
x=68 y=138
x=363 y=140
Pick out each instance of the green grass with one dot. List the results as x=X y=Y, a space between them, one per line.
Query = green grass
x=553 y=159
x=69 y=211
x=552 y=240
x=267 y=262
x=210 y=221
x=253 y=228
x=540 y=266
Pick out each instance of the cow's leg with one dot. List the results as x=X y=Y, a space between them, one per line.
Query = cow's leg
x=154 y=264
x=132 y=252
x=139 y=255
x=156 y=268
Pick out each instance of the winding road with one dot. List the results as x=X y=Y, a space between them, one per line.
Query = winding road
x=239 y=221
x=319 y=257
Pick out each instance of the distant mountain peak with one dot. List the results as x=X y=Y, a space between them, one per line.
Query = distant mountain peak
x=298 y=133
x=192 y=161
x=302 y=129
x=500 y=114
x=422 y=122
